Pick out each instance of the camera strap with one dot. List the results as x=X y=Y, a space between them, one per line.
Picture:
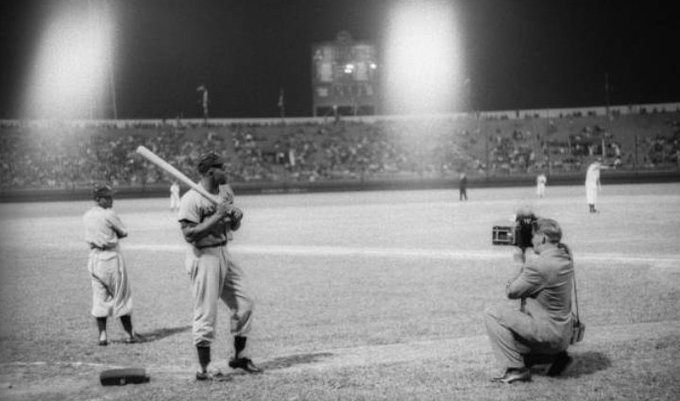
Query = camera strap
x=573 y=278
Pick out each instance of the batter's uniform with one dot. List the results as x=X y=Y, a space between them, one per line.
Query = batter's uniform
x=592 y=183
x=111 y=293
x=213 y=273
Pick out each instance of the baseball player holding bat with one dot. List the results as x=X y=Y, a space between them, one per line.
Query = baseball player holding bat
x=206 y=227
x=111 y=294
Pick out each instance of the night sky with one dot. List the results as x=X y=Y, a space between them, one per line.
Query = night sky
x=519 y=53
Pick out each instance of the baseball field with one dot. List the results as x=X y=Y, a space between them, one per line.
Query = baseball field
x=359 y=296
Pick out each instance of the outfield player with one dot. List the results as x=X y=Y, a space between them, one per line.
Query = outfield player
x=174 y=196
x=462 y=187
x=111 y=295
x=593 y=184
x=213 y=273
x=541 y=180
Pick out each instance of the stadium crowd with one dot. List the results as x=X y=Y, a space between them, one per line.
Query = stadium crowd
x=68 y=155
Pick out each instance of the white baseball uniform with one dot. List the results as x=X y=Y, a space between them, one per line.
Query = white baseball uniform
x=174 y=196
x=592 y=182
x=213 y=273
x=111 y=293
x=540 y=185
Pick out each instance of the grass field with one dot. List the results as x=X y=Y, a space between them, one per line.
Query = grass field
x=360 y=296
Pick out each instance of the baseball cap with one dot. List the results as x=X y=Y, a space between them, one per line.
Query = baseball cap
x=208 y=160
x=550 y=228
x=101 y=191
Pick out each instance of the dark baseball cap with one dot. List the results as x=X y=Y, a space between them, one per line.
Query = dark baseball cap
x=208 y=160
x=100 y=191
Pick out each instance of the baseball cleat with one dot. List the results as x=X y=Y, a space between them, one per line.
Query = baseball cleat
x=245 y=364
x=135 y=339
x=215 y=375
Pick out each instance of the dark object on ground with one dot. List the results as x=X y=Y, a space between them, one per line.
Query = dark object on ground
x=121 y=377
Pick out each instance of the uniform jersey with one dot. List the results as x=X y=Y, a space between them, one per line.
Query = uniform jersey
x=593 y=174
x=541 y=180
x=194 y=208
x=103 y=227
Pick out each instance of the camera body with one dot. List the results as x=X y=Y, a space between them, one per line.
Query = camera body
x=518 y=234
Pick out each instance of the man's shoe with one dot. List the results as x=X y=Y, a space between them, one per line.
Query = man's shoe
x=202 y=376
x=560 y=363
x=245 y=364
x=135 y=339
x=514 y=375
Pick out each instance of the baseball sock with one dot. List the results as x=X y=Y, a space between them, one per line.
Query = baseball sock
x=239 y=345
x=203 y=356
x=126 y=320
x=101 y=325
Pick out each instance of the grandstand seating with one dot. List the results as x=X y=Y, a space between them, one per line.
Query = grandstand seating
x=62 y=155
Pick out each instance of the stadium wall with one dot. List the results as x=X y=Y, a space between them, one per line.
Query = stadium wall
x=161 y=191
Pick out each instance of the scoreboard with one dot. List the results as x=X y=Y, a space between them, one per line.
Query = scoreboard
x=344 y=77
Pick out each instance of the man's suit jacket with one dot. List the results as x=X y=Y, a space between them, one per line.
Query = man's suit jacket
x=545 y=288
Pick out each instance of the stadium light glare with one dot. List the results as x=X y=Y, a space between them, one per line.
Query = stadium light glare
x=71 y=68
x=422 y=72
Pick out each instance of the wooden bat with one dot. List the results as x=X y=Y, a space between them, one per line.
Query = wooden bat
x=168 y=168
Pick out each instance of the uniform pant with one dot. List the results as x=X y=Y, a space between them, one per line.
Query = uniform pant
x=514 y=335
x=215 y=276
x=591 y=193
x=111 y=295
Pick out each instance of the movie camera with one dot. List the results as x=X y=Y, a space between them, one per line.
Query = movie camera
x=517 y=234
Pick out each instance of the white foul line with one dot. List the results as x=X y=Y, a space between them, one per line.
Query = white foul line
x=669 y=260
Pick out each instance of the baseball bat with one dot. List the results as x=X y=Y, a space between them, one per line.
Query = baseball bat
x=168 y=168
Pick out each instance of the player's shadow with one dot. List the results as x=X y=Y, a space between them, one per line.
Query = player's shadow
x=585 y=363
x=159 y=334
x=292 y=360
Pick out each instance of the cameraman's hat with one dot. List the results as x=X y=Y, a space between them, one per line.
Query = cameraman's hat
x=550 y=228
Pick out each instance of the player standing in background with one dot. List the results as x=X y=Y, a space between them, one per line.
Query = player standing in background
x=541 y=180
x=593 y=184
x=111 y=294
x=214 y=275
x=462 y=187
x=174 y=196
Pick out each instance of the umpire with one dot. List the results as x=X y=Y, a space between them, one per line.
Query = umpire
x=541 y=328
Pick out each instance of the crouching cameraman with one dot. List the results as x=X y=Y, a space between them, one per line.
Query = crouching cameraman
x=541 y=328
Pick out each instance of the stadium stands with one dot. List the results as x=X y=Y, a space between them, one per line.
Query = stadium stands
x=70 y=155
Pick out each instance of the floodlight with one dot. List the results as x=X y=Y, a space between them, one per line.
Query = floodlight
x=72 y=66
x=422 y=58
